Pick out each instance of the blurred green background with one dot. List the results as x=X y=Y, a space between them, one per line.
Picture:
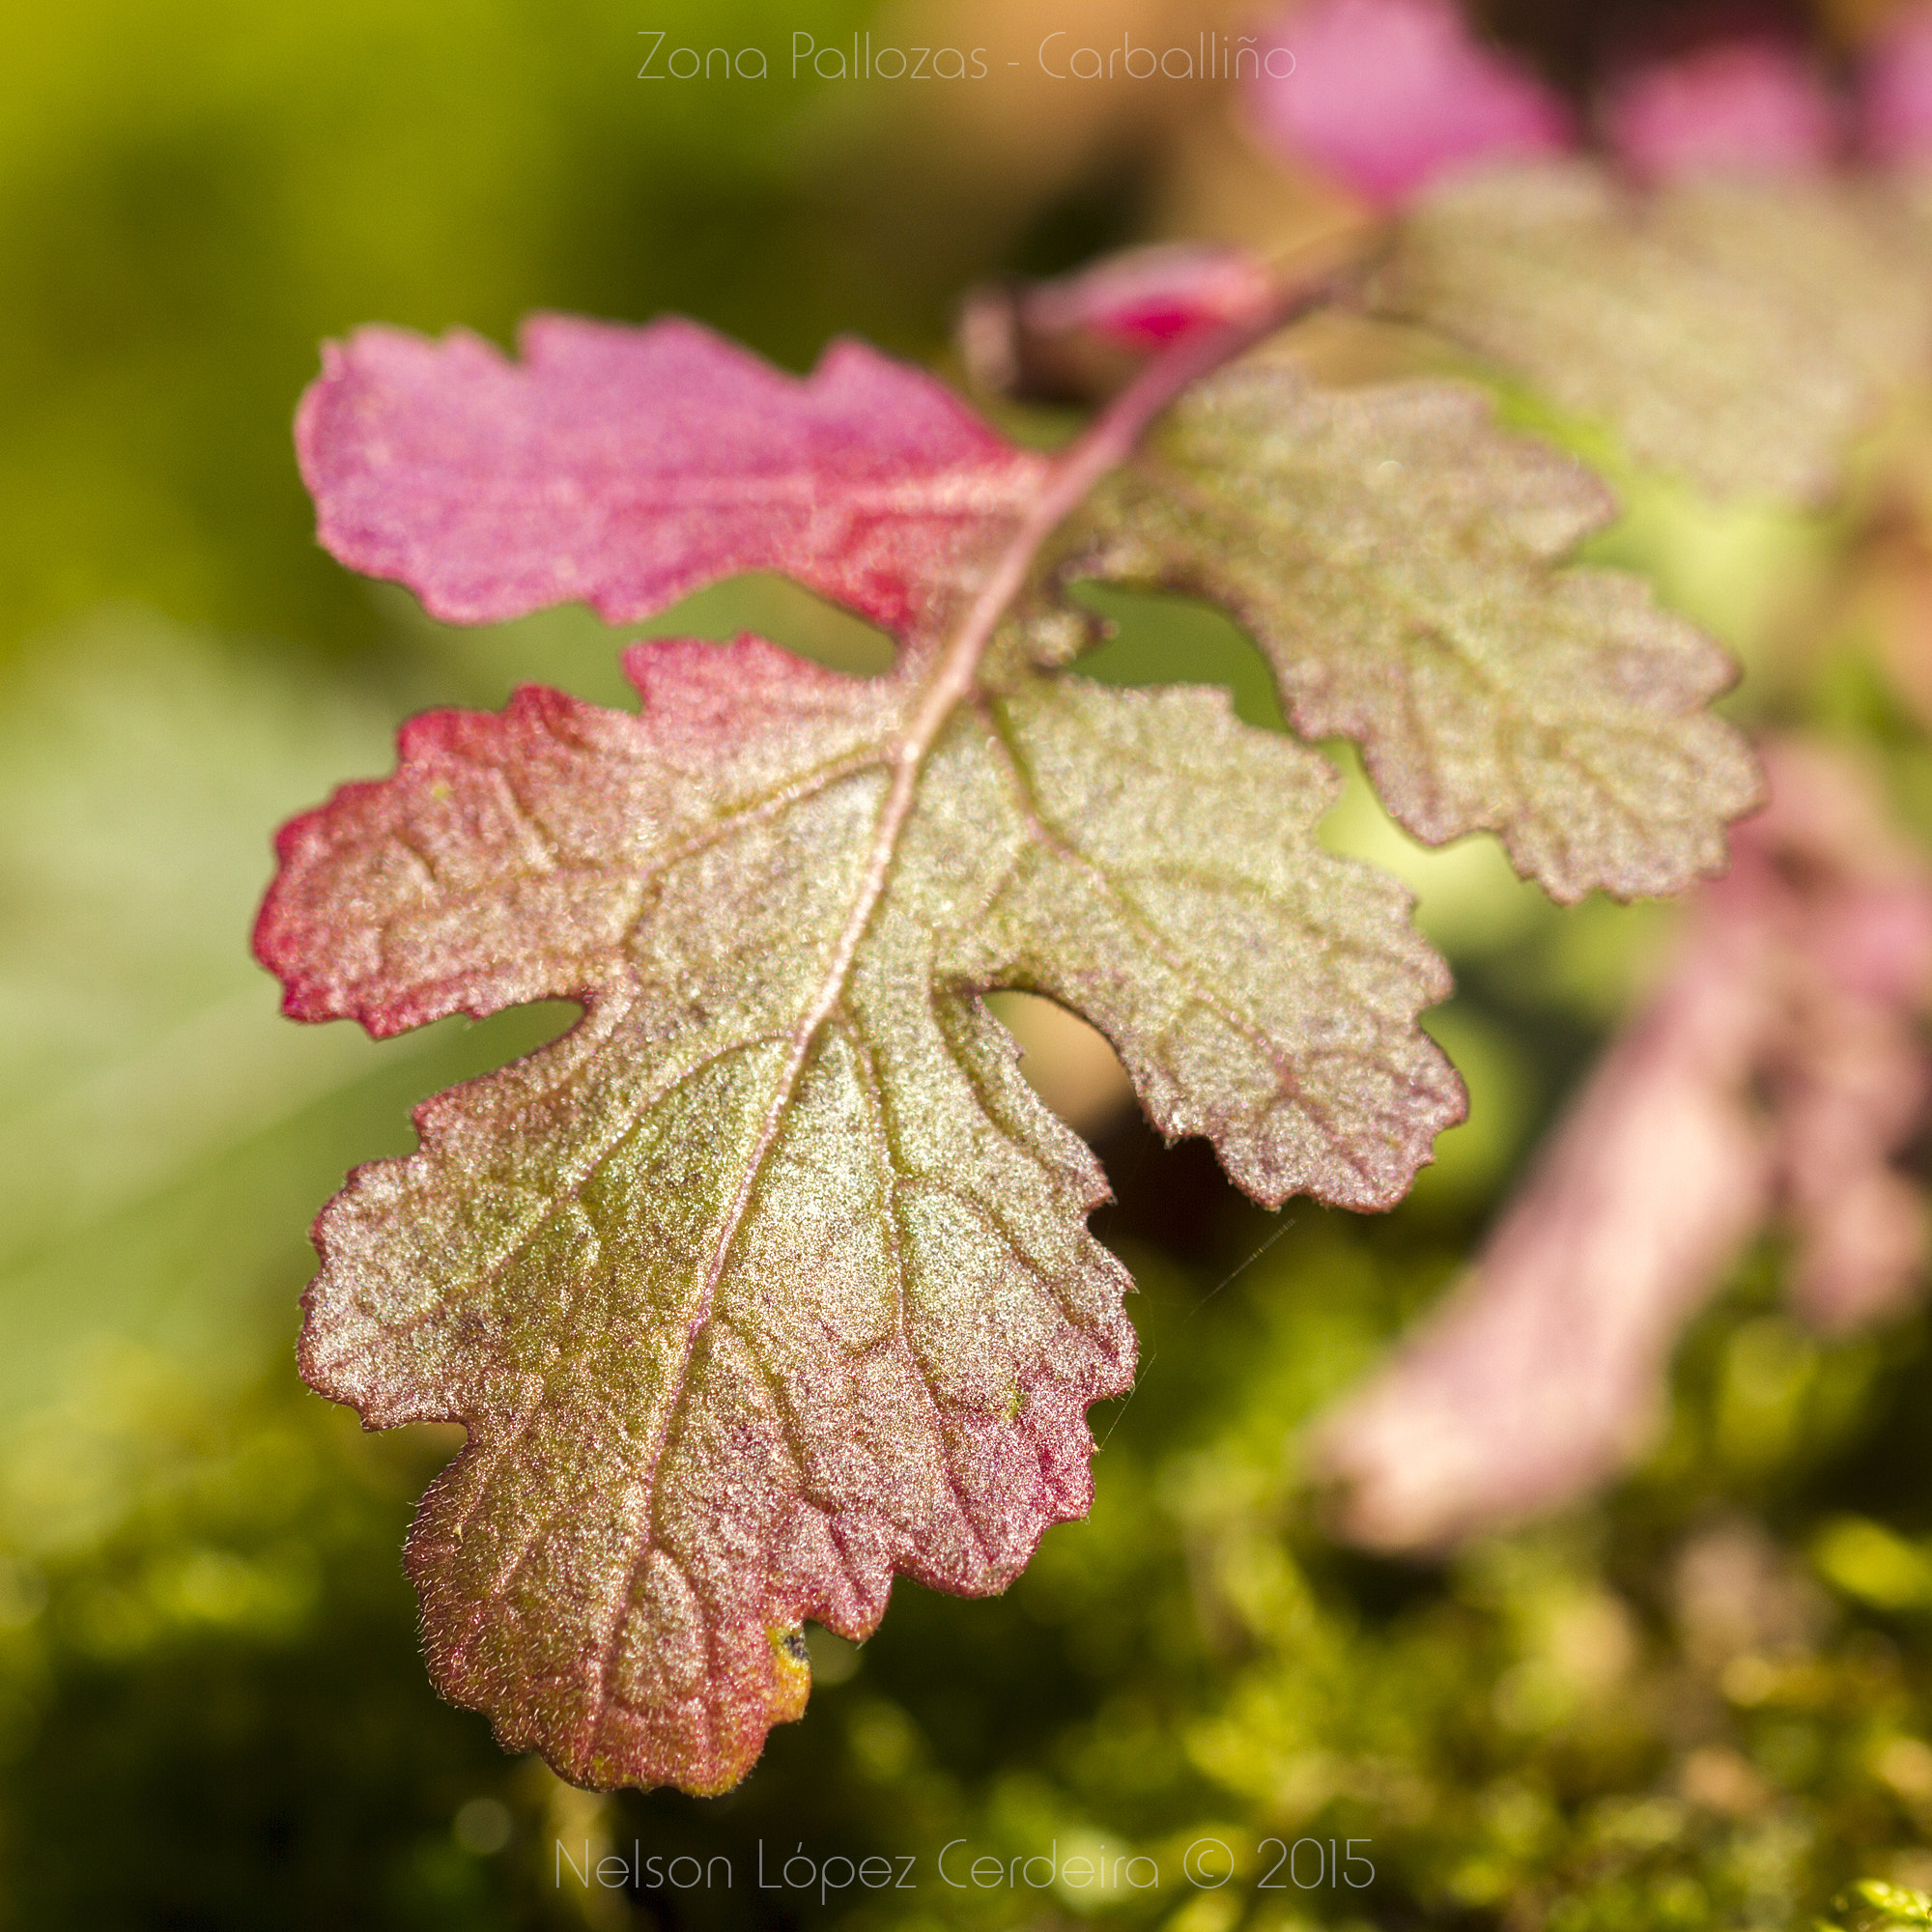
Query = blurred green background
x=212 y=1710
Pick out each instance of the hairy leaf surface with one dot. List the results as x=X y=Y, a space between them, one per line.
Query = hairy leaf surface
x=622 y=468
x=1393 y=554
x=771 y=1278
x=1734 y=332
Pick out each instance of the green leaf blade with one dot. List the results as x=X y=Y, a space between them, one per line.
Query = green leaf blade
x=771 y=1278
x=1399 y=560
x=1735 y=333
x=1260 y=991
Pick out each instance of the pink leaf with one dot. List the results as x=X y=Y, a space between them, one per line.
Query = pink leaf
x=1895 y=103
x=1540 y=1378
x=1082 y=335
x=1736 y=108
x=770 y=1280
x=1846 y=1071
x=1147 y=297
x=1389 y=95
x=623 y=467
x=1798 y=981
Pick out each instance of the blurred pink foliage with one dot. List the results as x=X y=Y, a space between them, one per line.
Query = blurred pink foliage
x=1897 y=94
x=1735 y=106
x=624 y=468
x=1776 y=1071
x=1388 y=96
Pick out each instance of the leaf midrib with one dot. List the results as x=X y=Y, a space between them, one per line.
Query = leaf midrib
x=1064 y=485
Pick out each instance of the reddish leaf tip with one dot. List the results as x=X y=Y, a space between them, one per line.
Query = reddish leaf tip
x=1083 y=334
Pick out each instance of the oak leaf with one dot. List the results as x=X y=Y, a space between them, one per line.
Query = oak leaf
x=770 y=1279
